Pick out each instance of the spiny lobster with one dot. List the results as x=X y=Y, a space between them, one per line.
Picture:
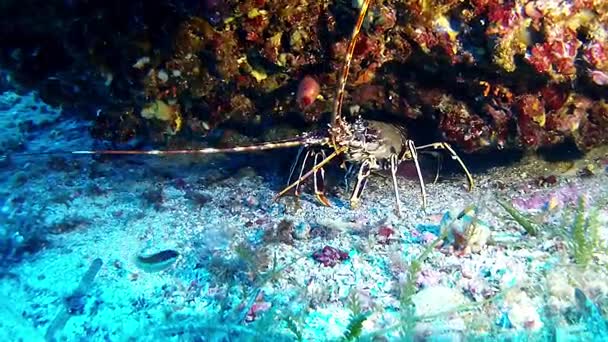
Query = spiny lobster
x=372 y=145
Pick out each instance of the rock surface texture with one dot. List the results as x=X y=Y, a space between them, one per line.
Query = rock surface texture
x=480 y=74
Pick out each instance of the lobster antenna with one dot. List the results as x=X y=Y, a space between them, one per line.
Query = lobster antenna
x=208 y=150
x=337 y=111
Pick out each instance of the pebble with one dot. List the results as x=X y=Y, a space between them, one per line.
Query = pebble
x=301 y=231
x=437 y=299
x=156 y=262
x=521 y=311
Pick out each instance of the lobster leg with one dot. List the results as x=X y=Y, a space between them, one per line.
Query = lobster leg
x=297 y=191
x=439 y=158
x=295 y=163
x=414 y=153
x=394 y=166
x=319 y=180
x=318 y=175
x=347 y=175
x=364 y=172
x=447 y=147
x=439 y=164
x=310 y=172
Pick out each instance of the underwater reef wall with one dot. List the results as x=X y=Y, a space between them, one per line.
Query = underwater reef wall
x=480 y=74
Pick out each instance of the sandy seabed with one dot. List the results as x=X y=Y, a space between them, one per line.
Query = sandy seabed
x=195 y=249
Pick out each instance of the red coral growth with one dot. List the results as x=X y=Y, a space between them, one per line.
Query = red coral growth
x=553 y=97
x=330 y=256
x=370 y=96
x=500 y=119
x=479 y=6
x=385 y=20
x=450 y=47
x=425 y=38
x=540 y=58
x=540 y=128
x=592 y=128
x=254 y=28
x=464 y=128
x=530 y=121
x=568 y=121
x=365 y=45
x=578 y=5
x=557 y=55
x=569 y=118
x=428 y=38
x=385 y=234
x=596 y=54
x=502 y=17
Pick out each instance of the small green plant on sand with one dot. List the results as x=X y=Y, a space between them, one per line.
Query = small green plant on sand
x=580 y=229
x=527 y=224
x=357 y=318
x=582 y=233
x=407 y=306
x=355 y=327
x=294 y=327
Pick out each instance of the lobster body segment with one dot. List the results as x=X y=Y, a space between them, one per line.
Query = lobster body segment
x=375 y=140
x=371 y=146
